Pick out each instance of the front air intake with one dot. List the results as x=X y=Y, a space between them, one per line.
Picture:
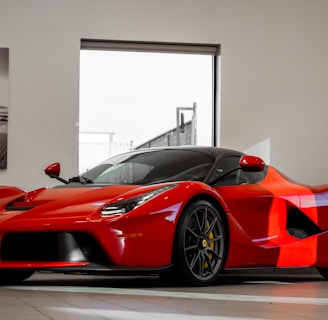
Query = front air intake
x=52 y=246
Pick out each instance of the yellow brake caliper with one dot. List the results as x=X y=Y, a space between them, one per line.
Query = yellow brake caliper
x=211 y=244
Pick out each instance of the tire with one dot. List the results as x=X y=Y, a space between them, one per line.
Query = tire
x=14 y=276
x=200 y=246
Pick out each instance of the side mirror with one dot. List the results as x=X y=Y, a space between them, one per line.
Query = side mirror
x=251 y=163
x=53 y=171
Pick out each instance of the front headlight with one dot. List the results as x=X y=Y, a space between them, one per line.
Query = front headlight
x=130 y=204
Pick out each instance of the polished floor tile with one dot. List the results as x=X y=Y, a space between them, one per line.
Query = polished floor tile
x=236 y=296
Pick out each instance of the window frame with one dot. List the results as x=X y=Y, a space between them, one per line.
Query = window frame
x=165 y=47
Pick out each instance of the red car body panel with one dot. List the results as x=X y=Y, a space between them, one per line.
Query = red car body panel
x=143 y=238
x=256 y=215
x=258 y=220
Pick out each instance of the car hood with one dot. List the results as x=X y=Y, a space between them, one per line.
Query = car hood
x=82 y=200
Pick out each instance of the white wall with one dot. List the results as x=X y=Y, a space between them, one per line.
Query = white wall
x=274 y=69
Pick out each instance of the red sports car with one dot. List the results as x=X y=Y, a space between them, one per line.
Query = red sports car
x=184 y=213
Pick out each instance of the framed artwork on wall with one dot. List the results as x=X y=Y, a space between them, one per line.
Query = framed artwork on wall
x=4 y=93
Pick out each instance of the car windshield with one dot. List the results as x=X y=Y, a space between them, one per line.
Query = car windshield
x=152 y=166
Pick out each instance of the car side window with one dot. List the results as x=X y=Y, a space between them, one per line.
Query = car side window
x=229 y=173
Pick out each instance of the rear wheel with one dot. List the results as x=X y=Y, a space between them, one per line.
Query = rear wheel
x=8 y=276
x=200 y=247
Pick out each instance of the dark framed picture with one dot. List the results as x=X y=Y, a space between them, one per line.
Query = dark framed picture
x=4 y=93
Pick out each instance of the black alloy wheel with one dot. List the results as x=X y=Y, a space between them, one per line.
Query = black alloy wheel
x=200 y=244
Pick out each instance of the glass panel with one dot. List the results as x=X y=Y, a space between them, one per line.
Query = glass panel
x=131 y=100
x=152 y=167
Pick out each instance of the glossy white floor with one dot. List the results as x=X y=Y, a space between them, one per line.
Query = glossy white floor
x=243 y=297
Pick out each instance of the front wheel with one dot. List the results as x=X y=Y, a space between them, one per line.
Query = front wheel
x=200 y=244
x=8 y=276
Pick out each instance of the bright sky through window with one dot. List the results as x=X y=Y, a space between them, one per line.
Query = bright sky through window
x=134 y=95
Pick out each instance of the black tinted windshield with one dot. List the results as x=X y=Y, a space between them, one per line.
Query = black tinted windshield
x=153 y=166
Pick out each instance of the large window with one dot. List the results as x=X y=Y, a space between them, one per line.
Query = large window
x=139 y=95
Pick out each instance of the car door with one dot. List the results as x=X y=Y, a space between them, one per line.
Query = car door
x=257 y=214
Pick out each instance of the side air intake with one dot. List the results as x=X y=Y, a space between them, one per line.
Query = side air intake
x=299 y=225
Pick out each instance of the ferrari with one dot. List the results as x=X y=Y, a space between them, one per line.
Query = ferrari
x=186 y=214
